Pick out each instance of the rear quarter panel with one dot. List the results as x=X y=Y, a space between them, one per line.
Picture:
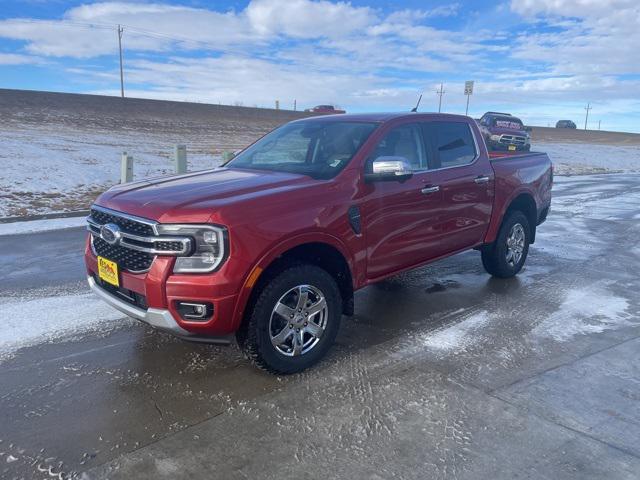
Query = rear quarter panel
x=517 y=174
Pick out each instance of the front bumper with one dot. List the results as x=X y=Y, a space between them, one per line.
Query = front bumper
x=159 y=318
x=494 y=146
x=158 y=291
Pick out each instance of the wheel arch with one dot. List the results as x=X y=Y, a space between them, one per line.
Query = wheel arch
x=324 y=251
x=525 y=203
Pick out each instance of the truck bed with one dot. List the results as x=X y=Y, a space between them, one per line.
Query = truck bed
x=525 y=174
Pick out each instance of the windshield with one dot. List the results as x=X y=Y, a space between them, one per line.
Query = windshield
x=317 y=149
x=507 y=122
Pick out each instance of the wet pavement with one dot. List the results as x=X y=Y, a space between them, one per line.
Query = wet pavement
x=444 y=372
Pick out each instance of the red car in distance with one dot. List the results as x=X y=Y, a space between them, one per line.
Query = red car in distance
x=324 y=109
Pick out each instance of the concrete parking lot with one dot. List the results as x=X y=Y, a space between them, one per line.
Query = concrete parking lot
x=444 y=372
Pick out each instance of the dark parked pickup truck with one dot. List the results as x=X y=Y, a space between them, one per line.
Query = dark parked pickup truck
x=269 y=248
x=503 y=132
x=565 y=124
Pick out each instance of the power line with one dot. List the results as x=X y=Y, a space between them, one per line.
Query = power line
x=143 y=32
x=64 y=23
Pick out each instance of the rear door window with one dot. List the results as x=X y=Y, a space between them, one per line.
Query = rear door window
x=452 y=142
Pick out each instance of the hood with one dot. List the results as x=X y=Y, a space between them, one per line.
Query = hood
x=193 y=197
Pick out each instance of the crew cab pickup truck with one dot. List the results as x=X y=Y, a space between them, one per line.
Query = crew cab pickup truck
x=269 y=248
x=504 y=132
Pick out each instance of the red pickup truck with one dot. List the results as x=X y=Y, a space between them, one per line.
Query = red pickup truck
x=269 y=248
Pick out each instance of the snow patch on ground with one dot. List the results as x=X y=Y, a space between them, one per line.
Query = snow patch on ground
x=598 y=205
x=593 y=309
x=554 y=238
x=32 y=321
x=457 y=337
x=35 y=226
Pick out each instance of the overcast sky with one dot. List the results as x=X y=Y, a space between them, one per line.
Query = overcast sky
x=542 y=60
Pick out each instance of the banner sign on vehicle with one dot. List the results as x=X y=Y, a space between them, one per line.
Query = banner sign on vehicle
x=468 y=87
x=508 y=124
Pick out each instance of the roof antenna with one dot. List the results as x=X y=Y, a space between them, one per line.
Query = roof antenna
x=415 y=109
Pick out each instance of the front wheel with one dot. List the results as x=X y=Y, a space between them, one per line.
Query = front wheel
x=295 y=320
x=505 y=257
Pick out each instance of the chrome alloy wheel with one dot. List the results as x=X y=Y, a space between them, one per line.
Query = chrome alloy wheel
x=298 y=320
x=515 y=244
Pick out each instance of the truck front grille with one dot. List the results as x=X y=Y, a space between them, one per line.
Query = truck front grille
x=136 y=243
x=513 y=140
x=126 y=224
x=126 y=258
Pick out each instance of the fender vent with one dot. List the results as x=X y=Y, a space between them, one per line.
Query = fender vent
x=354 y=219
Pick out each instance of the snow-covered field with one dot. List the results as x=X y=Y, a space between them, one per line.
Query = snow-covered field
x=584 y=159
x=34 y=226
x=60 y=151
x=45 y=171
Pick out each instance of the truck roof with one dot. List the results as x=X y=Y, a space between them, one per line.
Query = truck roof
x=498 y=113
x=383 y=116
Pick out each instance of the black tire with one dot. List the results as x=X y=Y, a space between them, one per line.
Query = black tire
x=257 y=343
x=494 y=256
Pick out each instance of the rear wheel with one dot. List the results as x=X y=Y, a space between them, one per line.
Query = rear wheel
x=505 y=257
x=295 y=320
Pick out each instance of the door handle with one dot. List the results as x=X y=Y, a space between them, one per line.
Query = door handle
x=432 y=189
x=481 y=179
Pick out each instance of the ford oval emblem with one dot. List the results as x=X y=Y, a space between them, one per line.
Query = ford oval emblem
x=110 y=233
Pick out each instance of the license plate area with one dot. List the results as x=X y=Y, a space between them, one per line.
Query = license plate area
x=512 y=148
x=108 y=271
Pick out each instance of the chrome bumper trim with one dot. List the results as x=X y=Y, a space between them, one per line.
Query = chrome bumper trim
x=159 y=318
x=156 y=317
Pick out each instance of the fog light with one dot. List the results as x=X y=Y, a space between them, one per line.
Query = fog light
x=195 y=311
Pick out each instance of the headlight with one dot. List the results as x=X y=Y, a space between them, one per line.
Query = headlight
x=495 y=138
x=209 y=251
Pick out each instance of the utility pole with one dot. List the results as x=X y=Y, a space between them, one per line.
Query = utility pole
x=295 y=105
x=599 y=124
x=440 y=92
x=120 y=31
x=586 y=118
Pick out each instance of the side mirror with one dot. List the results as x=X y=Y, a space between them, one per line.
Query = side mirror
x=389 y=168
